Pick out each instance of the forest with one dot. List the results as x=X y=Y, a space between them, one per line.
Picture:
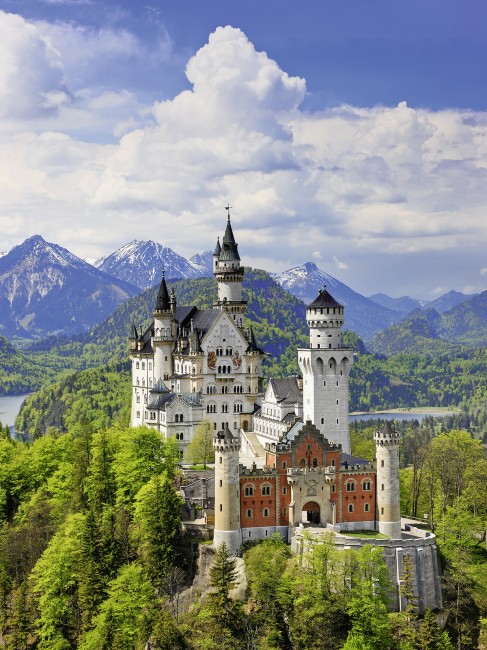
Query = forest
x=93 y=553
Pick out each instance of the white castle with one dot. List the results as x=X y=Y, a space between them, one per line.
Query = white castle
x=193 y=364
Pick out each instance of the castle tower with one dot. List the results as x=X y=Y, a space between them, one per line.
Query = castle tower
x=387 y=452
x=229 y=275
x=325 y=366
x=164 y=332
x=227 y=490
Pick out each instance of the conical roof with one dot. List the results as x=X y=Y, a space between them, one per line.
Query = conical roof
x=133 y=332
x=162 y=301
x=229 y=249
x=218 y=248
x=324 y=299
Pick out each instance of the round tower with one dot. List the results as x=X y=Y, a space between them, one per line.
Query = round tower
x=325 y=367
x=227 y=490
x=164 y=332
x=229 y=274
x=388 y=495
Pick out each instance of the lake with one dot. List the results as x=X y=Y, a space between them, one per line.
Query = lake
x=399 y=416
x=9 y=408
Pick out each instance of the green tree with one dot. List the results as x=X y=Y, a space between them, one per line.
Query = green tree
x=158 y=513
x=200 y=449
x=367 y=603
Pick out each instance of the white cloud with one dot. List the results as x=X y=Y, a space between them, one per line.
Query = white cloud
x=386 y=183
x=32 y=80
x=339 y=264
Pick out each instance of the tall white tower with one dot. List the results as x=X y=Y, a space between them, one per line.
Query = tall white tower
x=325 y=367
x=227 y=490
x=388 y=494
x=229 y=274
x=164 y=332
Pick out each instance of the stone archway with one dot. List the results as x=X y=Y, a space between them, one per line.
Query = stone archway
x=312 y=510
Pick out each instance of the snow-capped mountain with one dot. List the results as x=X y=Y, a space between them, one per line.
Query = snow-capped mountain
x=141 y=263
x=203 y=261
x=362 y=315
x=45 y=289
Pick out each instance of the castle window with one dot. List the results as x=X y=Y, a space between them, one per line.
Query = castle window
x=366 y=485
x=333 y=462
x=224 y=408
x=138 y=399
x=333 y=488
x=249 y=490
x=229 y=352
x=265 y=490
x=249 y=513
x=337 y=402
x=266 y=512
x=143 y=365
x=350 y=507
x=382 y=463
x=382 y=511
x=366 y=507
x=284 y=464
x=138 y=414
x=221 y=507
x=324 y=383
x=284 y=490
x=382 y=487
x=315 y=462
x=350 y=486
x=219 y=352
x=137 y=365
x=322 y=420
x=302 y=462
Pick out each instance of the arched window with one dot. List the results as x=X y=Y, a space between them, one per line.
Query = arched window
x=350 y=507
x=265 y=490
x=219 y=352
x=366 y=485
x=229 y=352
x=315 y=462
x=350 y=486
x=249 y=513
x=366 y=507
x=266 y=512
x=249 y=490
x=302 y=462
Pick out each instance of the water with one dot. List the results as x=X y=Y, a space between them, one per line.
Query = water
x=9 y=408
x=397 y=415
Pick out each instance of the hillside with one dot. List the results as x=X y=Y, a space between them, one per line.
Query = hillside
x=429 y=331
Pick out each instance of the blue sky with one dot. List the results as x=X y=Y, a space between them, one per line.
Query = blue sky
x=349 y=133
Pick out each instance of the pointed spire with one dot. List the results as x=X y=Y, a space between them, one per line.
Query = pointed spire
x=197 y=342
x=133 y=332
x=162 y=302
x=218 y=248
x=229 y=249
x=253 y=347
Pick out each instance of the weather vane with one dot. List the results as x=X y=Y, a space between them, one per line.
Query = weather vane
x=228 y=208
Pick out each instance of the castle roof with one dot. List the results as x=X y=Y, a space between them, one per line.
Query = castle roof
x=253 y=347
x=229 y=249
x=218 y=248
x=162 y=301
x=324 y=299
x=286 y=390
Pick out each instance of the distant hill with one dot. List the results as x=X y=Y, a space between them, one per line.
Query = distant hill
x=428 y=331
x=362 y=315
x=45 y=289
x=449 y=300
x=141 y=263
x=404 y=305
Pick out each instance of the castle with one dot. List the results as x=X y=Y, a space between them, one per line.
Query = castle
x=196 y=364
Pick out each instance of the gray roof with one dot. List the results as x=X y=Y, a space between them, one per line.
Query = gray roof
x=286 y=389
x=162 y=301
x=324 y=299
x=229 y=249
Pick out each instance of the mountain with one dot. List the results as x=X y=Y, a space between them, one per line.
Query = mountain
x=362 y=315
x=204 y=261
x=141 y=263
x=404 y=305
x=449 y=300
x=45 y=289
x=429 y=331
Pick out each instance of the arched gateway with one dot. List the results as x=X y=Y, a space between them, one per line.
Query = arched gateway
x=311 y=512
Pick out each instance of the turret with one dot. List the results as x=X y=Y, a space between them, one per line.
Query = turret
x=229 y=275
x=164 y=331
x=388 y=495
x=227 y=490
x=325 y=366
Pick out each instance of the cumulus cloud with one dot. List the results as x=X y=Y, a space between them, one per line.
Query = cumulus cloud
x=32 y=79
x=386 y=184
